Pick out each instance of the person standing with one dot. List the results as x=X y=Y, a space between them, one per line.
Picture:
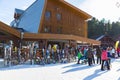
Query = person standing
x=93 y=55
x=85 y=52
x=105 y=59
x=80 y=55
x=98 y=55
x=118 y=51
x=89 y=56
x=113 y=52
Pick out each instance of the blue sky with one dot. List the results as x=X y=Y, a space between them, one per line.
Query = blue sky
x=7 y=8
x=108 y=9
x=75 y=2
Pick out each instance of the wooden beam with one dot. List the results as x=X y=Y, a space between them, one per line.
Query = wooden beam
x=6 y=29
x=42 y=17
x=4 y=37
x=36 y=36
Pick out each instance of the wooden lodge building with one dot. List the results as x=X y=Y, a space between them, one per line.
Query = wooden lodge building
x=106 y=41
x=48 y=21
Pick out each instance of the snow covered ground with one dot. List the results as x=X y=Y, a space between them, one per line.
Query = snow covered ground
x=68 y=71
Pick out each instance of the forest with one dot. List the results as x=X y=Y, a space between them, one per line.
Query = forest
x=97 y=28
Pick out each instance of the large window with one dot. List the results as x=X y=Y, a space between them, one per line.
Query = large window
x=58 y=16
x=47 y=15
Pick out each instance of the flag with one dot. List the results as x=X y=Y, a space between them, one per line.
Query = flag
x=116 y=45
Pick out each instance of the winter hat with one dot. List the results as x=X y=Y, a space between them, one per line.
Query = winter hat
x=104 y=48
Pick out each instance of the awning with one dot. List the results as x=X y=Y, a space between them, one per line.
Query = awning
x=6 y=29
x=38 y=36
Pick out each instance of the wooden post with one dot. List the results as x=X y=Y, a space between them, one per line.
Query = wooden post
x=70 y=43
x=46 y=43
x=40 y=44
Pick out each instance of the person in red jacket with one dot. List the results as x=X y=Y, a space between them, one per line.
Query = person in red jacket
x=105 y=59
x=118 y=51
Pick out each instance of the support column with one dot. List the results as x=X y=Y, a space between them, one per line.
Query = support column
x=70 y=43
x=46 y=43
x=40 y=44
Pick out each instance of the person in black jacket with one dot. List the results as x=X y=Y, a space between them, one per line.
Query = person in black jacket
x=89 y=56
x=98 y=55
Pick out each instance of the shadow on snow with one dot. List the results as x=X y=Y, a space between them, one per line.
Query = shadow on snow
x=19 y=67
x=95 y=74
x=78 y=67
x=25 y=66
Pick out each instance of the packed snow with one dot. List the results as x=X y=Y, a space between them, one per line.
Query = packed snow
x=66 y=71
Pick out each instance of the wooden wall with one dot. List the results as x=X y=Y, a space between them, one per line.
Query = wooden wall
x=71 y=21
x=107 y=41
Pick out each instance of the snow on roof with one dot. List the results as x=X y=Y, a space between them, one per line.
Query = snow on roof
x=31 y=17
x=100 y=37
x=19 y=11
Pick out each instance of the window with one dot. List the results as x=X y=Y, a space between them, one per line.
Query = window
x=47 y=15
x=59 y=30
x=47 y=29
x=58 y=15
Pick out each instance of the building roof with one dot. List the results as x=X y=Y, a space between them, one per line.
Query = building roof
x=30 y=19
x=100 y=37
x=86 y=15
x=19 y=11
x=6 y=29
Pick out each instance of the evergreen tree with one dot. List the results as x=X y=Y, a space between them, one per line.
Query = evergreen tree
x=97 y=28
